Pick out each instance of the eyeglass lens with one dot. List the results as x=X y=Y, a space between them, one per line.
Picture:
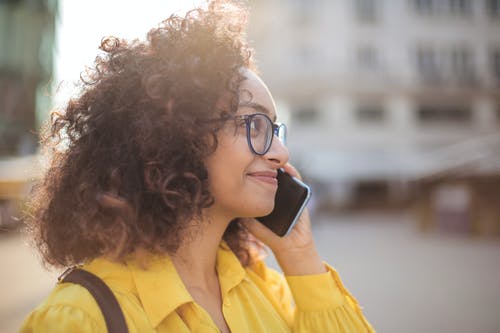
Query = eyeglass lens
x=261 y=131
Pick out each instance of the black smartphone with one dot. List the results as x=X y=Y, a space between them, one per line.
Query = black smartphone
x=291 y=199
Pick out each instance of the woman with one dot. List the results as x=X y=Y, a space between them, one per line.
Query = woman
x=165 y=163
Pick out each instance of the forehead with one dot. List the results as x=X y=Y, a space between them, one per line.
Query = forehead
x=255 y=96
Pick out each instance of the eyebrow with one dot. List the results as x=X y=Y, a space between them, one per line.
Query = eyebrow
x=260 y=108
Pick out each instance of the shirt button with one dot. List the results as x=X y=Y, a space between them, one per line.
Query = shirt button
x=227 y=303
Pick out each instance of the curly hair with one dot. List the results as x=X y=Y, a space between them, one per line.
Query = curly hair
x=131 y=172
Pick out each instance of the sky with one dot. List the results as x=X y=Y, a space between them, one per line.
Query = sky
x=82 y=24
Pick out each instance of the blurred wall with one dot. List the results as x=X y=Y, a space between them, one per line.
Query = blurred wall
x=26 y=63
x=26 y=53
x=381 y=93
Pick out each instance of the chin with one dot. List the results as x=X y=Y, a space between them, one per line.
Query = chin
x=264 y=209
x=254 y=207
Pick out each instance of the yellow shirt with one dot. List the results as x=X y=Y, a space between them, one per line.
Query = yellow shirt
x=255 y=299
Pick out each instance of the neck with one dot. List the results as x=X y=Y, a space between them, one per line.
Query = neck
x=196 y=257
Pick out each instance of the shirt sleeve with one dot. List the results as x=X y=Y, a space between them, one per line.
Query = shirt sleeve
x=60 y=318
x=315 y=303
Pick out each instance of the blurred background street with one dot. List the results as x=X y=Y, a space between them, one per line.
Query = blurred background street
x=393 y=111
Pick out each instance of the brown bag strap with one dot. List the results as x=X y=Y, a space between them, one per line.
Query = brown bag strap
x=113 y=315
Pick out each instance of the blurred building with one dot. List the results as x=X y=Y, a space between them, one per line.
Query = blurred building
x=381 y=93
x=26 y=53
x=26 y=61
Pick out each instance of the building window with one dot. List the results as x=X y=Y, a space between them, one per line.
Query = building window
x=493 y=8
x=305 y=115
x=443 y=7
x=366 y=10
x=460 y=7
x=444 y=115
x=367 y=58
x=427 y=65
x=424 y=7
x=370 y=114
x=495 y=65
x=451 y=65
x=462 y=66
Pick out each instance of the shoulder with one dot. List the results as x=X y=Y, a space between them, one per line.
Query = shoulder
x=69 y=308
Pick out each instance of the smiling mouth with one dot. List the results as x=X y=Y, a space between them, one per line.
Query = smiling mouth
x=265 y=177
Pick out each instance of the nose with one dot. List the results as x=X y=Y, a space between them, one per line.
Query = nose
x=278 y=153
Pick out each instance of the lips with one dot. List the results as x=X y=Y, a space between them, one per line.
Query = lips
x=265 y=176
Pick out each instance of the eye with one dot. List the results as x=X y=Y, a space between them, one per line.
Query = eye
x=253 y=124
x=241 y=123
x=256 y=125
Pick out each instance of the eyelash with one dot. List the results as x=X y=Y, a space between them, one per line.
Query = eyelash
x=241 y=123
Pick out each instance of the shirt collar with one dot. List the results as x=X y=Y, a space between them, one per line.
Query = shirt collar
x=161 y=290
x=229 y=269
x=159 y=286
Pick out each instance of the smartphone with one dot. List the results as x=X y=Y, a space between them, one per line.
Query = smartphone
x=291 y=199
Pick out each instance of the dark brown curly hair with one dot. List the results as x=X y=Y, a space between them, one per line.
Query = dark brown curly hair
x=127 y=170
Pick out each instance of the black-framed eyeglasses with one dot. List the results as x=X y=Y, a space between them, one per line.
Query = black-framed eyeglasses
x=261 y=131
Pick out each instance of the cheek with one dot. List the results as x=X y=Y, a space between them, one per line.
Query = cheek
x=233 y=149
x=227 y=165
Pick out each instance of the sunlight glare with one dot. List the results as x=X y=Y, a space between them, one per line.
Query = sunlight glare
x=82 y=24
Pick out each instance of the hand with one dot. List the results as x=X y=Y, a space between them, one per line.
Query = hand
x=296 y=252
